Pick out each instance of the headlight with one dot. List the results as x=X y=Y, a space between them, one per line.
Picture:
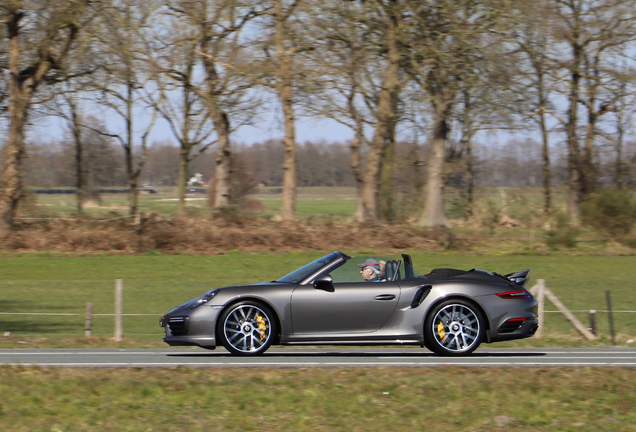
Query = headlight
x=204 y=299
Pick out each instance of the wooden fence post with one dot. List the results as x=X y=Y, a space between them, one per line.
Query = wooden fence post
x=88 y=324
x=541 y=307
x=540 y=291
x=610 y=315
x=565 y=311
x=119 y=306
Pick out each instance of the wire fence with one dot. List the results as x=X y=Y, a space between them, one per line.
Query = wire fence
x=62 y=324
x=56 y=308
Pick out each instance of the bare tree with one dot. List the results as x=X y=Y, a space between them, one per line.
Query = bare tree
x=280 y=29
x=589 y=30
x=210 y=32
x=67 y=103
x=357 y=73
x=623 y=94
x=72 y=113
x=533 y=66
x=446 y=41
x=184 y=112
x=123 y=82
x=39 y=39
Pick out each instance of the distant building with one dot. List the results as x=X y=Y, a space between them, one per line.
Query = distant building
x=196 y=180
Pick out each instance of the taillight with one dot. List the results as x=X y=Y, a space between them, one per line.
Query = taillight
x=521 y=294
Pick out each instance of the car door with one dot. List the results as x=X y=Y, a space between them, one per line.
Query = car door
x=357 y=307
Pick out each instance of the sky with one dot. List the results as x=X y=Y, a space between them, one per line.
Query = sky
x=307 y=129
x=269 y=126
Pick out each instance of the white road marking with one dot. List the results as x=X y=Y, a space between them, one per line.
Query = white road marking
x=20 y=351
x=273 y=364
x=525 y=356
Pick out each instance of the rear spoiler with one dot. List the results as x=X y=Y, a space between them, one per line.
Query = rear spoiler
x=519 y=278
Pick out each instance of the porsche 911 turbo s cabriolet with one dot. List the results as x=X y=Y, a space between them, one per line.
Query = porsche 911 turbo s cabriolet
x=343 y=300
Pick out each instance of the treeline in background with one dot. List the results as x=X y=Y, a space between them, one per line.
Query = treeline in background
x=512 y=163
x=425 y=87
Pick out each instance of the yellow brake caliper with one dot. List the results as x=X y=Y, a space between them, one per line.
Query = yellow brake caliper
x=262 y=326
x=440 y=330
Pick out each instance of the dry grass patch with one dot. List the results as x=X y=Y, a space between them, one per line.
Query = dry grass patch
x=231 y=231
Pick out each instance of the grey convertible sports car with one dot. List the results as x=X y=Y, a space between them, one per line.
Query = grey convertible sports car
x=343 y=300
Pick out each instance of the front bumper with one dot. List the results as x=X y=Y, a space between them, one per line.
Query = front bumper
x=203 y=342
x=195 y=327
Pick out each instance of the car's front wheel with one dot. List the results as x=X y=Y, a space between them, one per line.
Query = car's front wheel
x=454 y=328
x=247 y=328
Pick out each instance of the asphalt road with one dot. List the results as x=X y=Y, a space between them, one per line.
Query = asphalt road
x=298 y=357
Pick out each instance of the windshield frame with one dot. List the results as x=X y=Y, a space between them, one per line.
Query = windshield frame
x=308 y=272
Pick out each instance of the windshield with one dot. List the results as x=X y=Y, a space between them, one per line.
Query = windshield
x=304 y=272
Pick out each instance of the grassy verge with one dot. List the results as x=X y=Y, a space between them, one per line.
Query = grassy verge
x=155 y=284
x=378 y=399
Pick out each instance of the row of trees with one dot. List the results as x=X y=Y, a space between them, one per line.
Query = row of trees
x=439 y=70
x=512 y=163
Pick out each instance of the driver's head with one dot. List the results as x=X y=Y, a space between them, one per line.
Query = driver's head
x=370 y=269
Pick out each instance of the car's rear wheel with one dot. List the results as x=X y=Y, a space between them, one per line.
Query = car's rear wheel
x=247 y=328
x=454 y=328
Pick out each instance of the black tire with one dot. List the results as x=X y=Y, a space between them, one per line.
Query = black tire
x=247 y=328
x=454 y=328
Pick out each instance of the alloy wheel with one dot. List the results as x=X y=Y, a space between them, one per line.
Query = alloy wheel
x=456 y=329
x=247 y=329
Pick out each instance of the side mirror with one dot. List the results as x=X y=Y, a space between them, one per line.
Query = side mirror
x=324 y=282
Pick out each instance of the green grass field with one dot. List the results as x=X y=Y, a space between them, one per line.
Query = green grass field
x=349 y=399
x=337 y=202
x=153 y=284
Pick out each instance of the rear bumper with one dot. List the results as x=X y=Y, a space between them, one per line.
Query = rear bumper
x=525 y=330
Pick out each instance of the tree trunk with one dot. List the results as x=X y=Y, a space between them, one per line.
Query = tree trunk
x=223 y=161
x=128 y=150
x=284 y=88
x=289 y=162
x=11 y=182
x=358 y=215
x=469 y=178
x=132 y=183
x=133 y=197
x=356 y=143
x=385 y=196
x=547 y=192
x=574 y=181
x=587 y=172
x=22 y=85
x=79 y=156
x=223 y=168
x=386 y=117
x=79 y=169
x=433 y=215
x=619 y=151
x=19 y=97
x=183 y=180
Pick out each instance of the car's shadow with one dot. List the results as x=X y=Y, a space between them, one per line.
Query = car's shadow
x=360 y=354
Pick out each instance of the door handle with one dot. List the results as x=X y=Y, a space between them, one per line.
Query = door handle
x=385 y=297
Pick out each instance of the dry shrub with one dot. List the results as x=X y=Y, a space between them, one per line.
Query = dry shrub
x=611 y=212
x=217 y=236
x=250 y=205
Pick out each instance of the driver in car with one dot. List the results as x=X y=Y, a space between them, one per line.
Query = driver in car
x=372 y=270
